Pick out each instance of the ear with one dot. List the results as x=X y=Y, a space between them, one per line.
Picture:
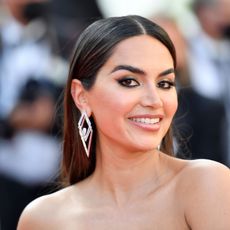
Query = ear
x=79 y=96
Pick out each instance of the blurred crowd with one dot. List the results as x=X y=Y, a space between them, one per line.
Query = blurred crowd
x=36 y=41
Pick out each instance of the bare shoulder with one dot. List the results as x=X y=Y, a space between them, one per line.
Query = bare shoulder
x=205 y=190
x=45 y=212
x=205 y=173
x=205 y=167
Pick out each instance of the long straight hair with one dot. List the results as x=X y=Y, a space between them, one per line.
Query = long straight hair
x=93 y=48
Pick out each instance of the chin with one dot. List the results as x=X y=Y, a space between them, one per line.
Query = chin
x=145 y=147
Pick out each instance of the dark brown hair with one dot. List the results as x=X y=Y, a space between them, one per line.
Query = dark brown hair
x=93 y=48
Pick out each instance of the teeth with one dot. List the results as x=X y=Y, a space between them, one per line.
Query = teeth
x=146 y=120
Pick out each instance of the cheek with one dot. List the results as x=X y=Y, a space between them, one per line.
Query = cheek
x=171 y=104
x=110 y=102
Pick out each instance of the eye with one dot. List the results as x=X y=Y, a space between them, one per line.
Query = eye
x=128 y=82
x=166 y=84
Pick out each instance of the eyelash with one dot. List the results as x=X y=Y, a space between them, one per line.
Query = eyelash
x=170 y=84
x=131 y=83
x=125 y=82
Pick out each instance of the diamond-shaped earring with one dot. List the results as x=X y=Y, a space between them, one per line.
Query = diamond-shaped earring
x=85 y=131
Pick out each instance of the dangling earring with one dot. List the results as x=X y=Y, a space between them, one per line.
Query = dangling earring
x=85 y=131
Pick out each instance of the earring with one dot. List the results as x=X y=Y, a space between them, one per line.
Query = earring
x=85 y=131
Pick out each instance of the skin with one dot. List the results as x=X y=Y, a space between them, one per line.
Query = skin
x=135 y=186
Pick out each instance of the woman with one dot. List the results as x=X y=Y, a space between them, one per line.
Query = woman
x=121 y=96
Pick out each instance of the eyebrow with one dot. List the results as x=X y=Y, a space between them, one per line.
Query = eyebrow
x=166 y=72
x=140 y=71
x=129 y=68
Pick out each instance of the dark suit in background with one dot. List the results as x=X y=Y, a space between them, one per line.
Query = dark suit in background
x=201 y=122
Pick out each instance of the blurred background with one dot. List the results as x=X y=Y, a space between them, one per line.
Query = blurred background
x=36 y=41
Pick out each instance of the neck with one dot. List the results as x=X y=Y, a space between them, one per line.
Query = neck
x=127 y=176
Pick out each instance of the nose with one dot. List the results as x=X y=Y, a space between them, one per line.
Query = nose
x=151 y=97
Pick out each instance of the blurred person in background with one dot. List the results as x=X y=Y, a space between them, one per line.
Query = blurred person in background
x=209 y=55
x=199 y=135
x=30 y=72
x=209 y=48
x=69 y=18
x=29 y=160
x=28 y=49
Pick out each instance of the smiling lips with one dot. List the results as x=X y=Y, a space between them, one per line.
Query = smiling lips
x=147 y=123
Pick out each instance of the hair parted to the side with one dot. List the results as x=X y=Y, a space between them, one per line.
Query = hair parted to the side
x=93 y=48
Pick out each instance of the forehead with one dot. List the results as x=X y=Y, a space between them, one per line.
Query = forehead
x=141 y=51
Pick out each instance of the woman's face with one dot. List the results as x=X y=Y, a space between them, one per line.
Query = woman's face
x=134 y=99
